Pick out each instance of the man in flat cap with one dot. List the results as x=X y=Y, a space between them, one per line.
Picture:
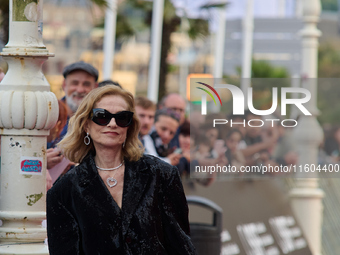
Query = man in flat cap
x=80 y=79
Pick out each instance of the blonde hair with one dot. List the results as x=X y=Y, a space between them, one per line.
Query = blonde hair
x=72 y=144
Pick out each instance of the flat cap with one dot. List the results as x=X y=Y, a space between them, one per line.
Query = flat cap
x=81 y=65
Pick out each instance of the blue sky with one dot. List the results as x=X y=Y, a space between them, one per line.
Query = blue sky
x=236 y=8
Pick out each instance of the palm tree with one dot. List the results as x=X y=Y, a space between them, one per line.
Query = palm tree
x=4 y=21
x=171 y=22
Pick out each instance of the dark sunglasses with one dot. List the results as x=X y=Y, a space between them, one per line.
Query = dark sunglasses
x=102 y=117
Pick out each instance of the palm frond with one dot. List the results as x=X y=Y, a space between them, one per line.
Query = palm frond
x=198 y=28
x=4 y=5
x=169 y=11
x=214 y=5
x=100 y=3
x=140 y=4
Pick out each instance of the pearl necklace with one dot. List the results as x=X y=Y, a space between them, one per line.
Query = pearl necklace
x=111 y=182
x=110 y=169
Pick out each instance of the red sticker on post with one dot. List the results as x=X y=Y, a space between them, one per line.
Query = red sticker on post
x=31 y=165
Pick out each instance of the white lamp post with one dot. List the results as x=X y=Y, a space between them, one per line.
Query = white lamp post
x=247 y=45
x=220 y=41
x=27 y=111
x=109 y=38
x=156 y=43
x=219 y=45
x=306 y=197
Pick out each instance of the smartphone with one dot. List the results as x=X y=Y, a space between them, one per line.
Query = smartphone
x=178 y=151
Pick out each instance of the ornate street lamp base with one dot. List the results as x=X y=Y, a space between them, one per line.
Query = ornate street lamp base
x=24 y=249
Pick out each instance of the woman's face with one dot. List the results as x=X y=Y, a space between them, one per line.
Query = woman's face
x=212 y=135
x=337 y=135
x=184 y=142
x=166 y=128
x=109 y=136
x=233 y=141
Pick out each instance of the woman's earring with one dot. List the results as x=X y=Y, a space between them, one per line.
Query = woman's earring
x=123 y=144
x=87 y=139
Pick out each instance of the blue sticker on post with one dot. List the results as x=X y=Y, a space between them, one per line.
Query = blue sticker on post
x=31 y=165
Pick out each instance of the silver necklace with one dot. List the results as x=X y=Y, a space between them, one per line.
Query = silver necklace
x=110 y=169
x=111 y=182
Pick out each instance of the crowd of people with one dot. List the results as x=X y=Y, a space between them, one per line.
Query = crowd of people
x=107 y=144
x=165 y=132
x=164 y=129
x=240 y=145
x=135 y=151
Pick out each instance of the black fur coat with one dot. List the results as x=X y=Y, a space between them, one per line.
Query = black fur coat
x=83 y=218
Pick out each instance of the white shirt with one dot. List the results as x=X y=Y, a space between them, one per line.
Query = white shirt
x=150 y=148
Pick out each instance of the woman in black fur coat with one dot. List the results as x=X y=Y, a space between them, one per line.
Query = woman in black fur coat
x=116 y=201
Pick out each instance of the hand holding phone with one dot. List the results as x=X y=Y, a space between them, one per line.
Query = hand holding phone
x=178 y=151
